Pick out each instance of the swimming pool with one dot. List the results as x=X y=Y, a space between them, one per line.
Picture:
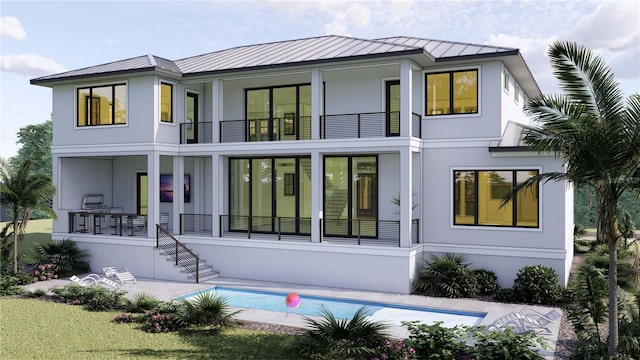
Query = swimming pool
x=341 y=308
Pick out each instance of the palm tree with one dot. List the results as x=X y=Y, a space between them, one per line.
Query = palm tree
x=596 y=133
x=21 y=191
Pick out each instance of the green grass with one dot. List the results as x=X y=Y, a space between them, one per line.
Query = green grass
x=37 y=232
x=37 y=329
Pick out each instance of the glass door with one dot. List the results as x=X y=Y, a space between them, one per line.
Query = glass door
x=192 y=118
x=142 y=195
x=393 y=107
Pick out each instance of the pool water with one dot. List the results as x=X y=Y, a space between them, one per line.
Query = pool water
x=341 y=308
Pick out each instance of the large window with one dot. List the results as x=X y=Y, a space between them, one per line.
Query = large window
x=278 y=113
x=270 y=195
x=166 y=102
x=102 y=105
x=477 y=196
x=452 y=92
x=351 y=196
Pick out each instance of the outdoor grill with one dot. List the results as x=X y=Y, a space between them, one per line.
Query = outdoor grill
x=94 y=202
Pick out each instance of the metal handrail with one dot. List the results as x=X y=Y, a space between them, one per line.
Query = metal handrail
x=177 y=245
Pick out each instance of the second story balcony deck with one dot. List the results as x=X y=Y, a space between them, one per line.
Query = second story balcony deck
x=336 y=126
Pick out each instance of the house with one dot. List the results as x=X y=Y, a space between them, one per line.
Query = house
x=330 y=161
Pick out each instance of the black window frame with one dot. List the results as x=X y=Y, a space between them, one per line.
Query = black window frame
x=451 y=90
x=88 y=101
x=514 y=201
x=170 y=121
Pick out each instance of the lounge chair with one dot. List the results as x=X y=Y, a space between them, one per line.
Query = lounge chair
x=86 y=281
x=527 y=320
x=121 y=274
x=110 y=283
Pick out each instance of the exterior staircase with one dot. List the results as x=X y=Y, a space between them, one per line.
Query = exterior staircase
x=181 y=256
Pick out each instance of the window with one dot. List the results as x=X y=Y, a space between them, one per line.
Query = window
x=453 y=92
x=101 y=105
x=166 y=102
x=477 y=196
x=506 y=80
x=516 y=93
x=278 y=113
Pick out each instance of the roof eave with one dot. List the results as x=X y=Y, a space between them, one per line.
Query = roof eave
x=45 y=82
x=497 y=149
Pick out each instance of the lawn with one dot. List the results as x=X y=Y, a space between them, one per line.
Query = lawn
x=37 y=232
x=37 y=329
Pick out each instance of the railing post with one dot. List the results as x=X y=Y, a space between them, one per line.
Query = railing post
x=197 y=269
x=180 y=226
x=176 y=253
x=279 y=229
x=359 y=125
x=219 y=132
x=358 y=220
x=418 y=230
x=220 y=226
x=249 y=226
x=157 y=236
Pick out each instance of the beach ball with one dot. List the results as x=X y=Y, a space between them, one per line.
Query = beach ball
x=292 y=300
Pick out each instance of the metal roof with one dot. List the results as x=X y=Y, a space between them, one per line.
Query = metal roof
x=310 y=50
x=321 y=49
x=439 y=49
x=136 y=64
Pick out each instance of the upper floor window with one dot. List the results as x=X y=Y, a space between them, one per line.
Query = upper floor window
x=516 y=93
x=507 y=79
x=166 y=102
x=452 y=92
x=479 y=194
x=102 y=105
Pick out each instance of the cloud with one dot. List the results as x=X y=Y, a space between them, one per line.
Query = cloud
x=112 y=41
x=10 y=27
x=612 y=25
x=30 y=65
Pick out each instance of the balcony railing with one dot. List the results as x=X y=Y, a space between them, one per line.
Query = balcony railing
x=366 y=125
x=270 y=129
x=107 y=223
x=199 y=133
x=265 y=227
x=196 y=224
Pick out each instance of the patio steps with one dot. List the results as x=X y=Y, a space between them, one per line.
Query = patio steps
x=205 y=272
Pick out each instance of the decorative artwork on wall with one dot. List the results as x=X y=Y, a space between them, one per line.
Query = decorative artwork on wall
x=166 y=188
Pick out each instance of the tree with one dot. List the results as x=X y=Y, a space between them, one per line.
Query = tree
x=36 y=143
x=22 y=191
x=596 y=133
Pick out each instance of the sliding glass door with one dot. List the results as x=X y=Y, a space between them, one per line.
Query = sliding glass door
x=278 y=113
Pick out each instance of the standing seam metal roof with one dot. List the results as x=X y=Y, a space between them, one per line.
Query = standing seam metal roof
x=282 y=53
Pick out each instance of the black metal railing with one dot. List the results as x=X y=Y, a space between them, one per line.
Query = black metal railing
x=199 y=133
x=362 y=231
x=359 y=125
x=180 y=254
x=278 y=227
x=415 y=231
x=196 y=224
x=267 y=129
x=416 y=125
x=106 y=222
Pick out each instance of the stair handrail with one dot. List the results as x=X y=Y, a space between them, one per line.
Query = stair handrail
x=178 y=245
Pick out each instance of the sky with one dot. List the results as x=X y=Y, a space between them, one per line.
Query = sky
x=46 y=37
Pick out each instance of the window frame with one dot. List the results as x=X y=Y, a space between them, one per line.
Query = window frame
x=514 y=214
x=113 y=85
x=516 y=93
x=506 y=78
x=451 y=72
x=172 y=102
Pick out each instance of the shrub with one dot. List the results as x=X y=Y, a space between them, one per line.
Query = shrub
x=506 y=345
x=72 y=294
x=159 y=323
x=64 y=254
x=206 y=309
x=537 y=284
x=506 y=296
x=44 y=272
x=394 y=350
x=332 y=338
x=448 y=276
x=36 y=293
x=102 y=299
x=124 y=318
x=435 y=341
x=9 y=284
x=487 y=281
x=141 y=302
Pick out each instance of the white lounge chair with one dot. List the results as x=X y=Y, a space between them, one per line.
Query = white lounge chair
x=121 y=274
x=526 y=320
x=86 y=281
x=110 y=283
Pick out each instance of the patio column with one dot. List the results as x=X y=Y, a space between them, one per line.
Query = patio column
x=406 y=189
x=178 y=193
x=216 y=108
x=217 y=193
x=316 y=102
x=153 y=192
x=317 y=196
x=406 y=105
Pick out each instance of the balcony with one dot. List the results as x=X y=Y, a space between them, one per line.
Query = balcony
x=337 y=126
